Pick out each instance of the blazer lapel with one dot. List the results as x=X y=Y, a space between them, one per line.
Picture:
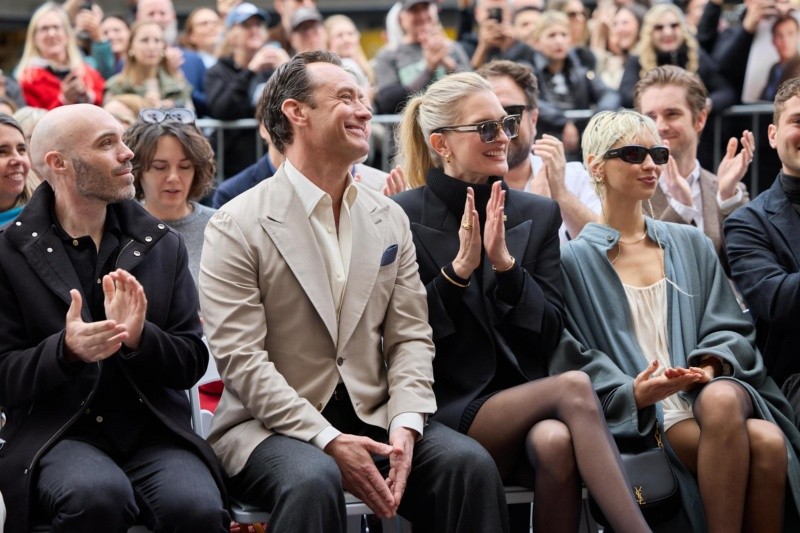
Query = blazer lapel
x=711 y=215
x=785 y=219
x=438 y=234
x=287 y=225
x=368 y=236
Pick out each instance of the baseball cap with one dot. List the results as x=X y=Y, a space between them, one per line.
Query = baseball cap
x=303 y=15
x=242 y=12
x=408 y=4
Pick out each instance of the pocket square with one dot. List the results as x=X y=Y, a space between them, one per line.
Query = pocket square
x=389 y=255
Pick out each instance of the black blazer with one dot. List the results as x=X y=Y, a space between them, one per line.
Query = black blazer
x=473 y=328
x=762 y=239
x=44 y=398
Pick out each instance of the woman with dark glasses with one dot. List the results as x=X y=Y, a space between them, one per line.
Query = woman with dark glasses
x=652 y=319
x=173 y=168
x=489 y=259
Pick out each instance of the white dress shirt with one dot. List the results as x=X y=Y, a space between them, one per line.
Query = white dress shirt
x=336 y=248
x=577 y=182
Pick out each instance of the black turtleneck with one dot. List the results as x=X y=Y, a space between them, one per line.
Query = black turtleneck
x=453 y=192
x=679 y=57
x=791 y=188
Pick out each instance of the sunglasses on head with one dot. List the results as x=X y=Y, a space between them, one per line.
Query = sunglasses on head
x=490 y=129
x=634 y=153
x=157 y=116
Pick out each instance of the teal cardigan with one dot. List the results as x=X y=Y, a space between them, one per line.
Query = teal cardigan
x=704 y=319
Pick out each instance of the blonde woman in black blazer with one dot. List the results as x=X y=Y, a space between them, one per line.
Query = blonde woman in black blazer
x=489 y=258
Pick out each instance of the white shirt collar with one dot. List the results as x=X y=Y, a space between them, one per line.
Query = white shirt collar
x=310 y=195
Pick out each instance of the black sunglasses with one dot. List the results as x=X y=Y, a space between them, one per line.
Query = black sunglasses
x=488 y=130
x=660 y=27
x=157 y=116
x=634 y=153
x=516 y=109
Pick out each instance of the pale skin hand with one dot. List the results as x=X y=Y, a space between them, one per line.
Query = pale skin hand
x=90 y=341
x=395 y=181
x=469 y=240
x=757 y=11
x=402 y=442
x=677 y=185
x=174 y=57
x=734 y=166
x=551 y=151
x=268 y=58
x=435 y=49
x=649 y=390
x=89 y=21
x=125 y=303
x=360 y=476
x=494 y=233
x=73 y=89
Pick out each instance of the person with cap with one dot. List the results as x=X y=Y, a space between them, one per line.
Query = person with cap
x=233 y=84
x=280 y=32
x=425 y=55
x=307 y=31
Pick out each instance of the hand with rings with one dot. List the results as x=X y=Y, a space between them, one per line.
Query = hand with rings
x=469 y=239
x=494 y=233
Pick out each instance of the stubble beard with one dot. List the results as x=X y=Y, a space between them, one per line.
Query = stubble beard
x=92 y=183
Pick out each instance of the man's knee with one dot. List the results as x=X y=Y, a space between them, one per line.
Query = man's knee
x=322 y=479
x=468 y=459
x=106 y=501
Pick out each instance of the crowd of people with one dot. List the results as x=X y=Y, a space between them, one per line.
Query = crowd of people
x=520 y=300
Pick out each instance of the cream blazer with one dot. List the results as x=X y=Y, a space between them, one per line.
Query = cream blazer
x=270 y=320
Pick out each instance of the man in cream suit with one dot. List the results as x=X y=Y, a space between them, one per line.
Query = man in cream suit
x=315 y=313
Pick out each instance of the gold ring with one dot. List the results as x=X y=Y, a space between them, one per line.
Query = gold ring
x=466 y=226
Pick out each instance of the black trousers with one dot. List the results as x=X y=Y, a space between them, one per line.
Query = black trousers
x=453 y=486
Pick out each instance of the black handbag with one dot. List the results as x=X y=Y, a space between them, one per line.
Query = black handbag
x=653 y=482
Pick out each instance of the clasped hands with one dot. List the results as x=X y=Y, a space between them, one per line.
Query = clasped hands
x=494 y=235
x=360 y=476
x=125 y=306
x=649 y=389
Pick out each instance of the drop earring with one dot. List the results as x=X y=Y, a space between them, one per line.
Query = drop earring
x=448 y=158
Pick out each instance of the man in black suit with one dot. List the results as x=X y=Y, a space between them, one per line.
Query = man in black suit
x=763 y=244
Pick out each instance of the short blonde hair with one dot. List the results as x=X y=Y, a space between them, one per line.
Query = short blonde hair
x=608 y=128
x=438 y=107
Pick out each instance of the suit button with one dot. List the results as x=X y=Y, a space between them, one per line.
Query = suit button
x=99 y=419
x=88 y=411
x=340 y=361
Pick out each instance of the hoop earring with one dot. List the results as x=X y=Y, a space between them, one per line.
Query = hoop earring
x=650 y=206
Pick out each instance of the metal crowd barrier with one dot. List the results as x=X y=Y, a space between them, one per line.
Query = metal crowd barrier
x=216 y=128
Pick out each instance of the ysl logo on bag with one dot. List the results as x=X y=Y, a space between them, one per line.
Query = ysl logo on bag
x=639 y=495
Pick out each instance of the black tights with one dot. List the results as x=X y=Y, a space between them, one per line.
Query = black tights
x=555 y=427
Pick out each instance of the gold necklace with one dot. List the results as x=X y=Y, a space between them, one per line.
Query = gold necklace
x=637 y=241
x=620 y=241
